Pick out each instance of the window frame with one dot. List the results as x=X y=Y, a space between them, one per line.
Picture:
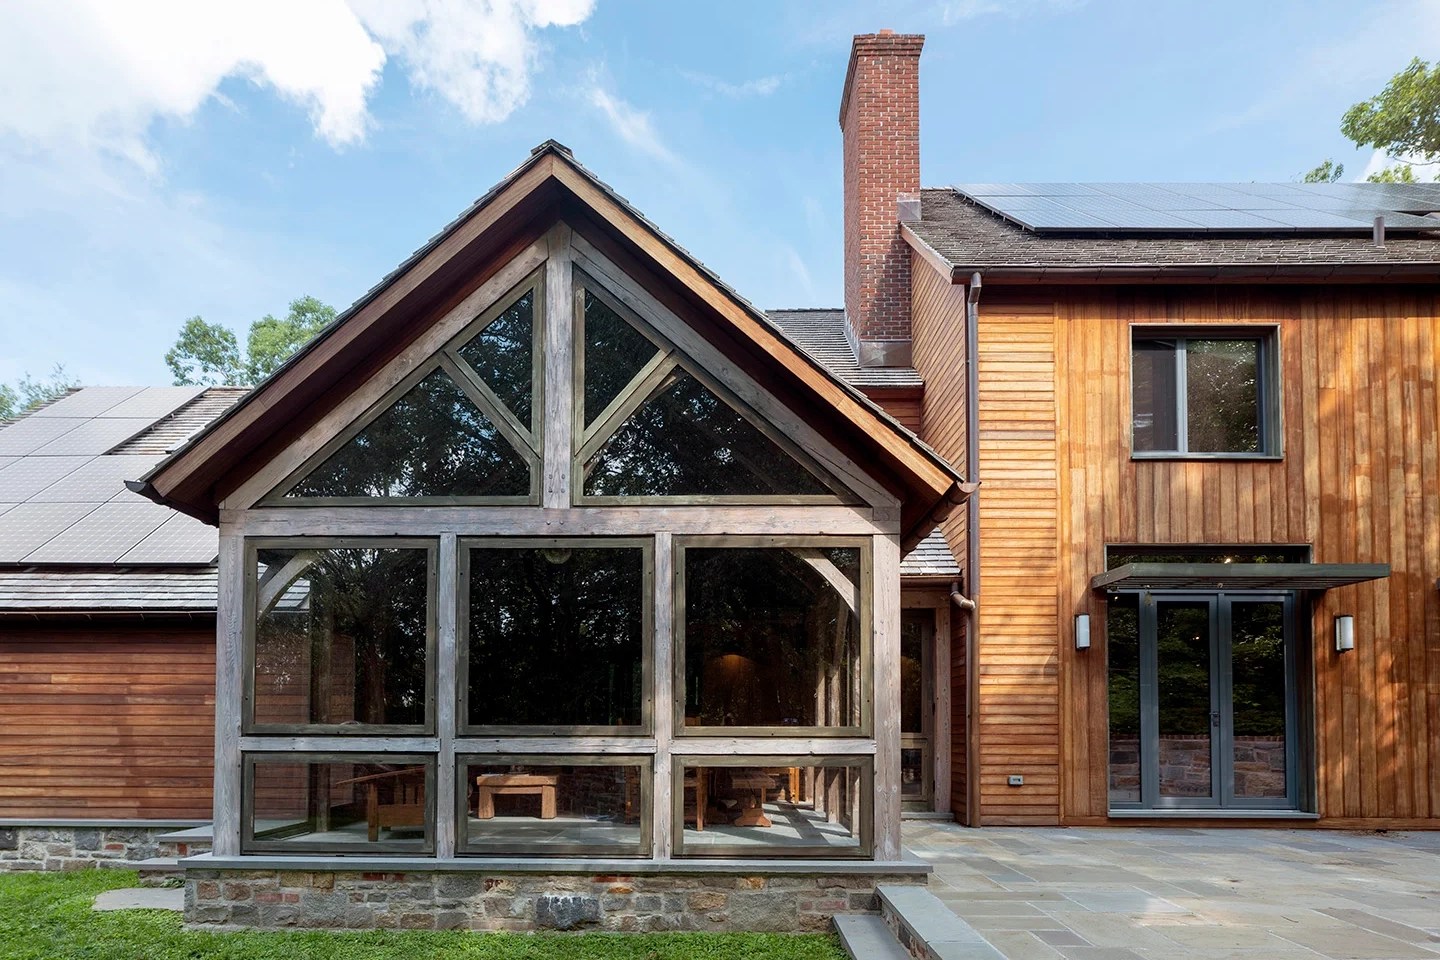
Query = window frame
x=251 y=623
x=866 y=726
x=383 y=848
x=1269 y=407
x=591 y=439
x=643 y=761
x=463 y=726
x=864 y=828
x=528 y=443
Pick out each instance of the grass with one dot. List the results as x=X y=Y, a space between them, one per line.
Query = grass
x=47 y=916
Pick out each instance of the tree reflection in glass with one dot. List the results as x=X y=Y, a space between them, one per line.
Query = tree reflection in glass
x=503 y=354
x=433 y=442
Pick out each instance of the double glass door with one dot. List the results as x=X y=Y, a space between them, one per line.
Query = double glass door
x=1202 y=701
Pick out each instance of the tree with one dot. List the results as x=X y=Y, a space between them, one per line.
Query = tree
x=29 y=393
x=209 y=354
x=1403 y=120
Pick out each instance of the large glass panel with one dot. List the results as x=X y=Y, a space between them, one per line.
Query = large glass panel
x=614 y=353
x=530 y=805
x=433 y=442
x=1257 y=649
x=774 y=807
x=913 y=636
x=1223 y=396
x=1122 y=647
x=556 y=636
x=772 y=636
x=338 y=804
x=341 y=637
x=1183 y=691
x=503 y=355
x=1154 y=395
x=686 y=441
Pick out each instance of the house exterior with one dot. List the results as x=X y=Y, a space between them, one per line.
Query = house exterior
x=555 y=585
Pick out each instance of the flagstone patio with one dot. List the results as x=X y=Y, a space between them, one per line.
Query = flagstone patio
x=1144 y=894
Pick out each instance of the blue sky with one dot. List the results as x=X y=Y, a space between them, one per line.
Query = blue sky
x=223 y=161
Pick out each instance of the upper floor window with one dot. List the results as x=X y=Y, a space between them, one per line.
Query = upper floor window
x=1204 y=394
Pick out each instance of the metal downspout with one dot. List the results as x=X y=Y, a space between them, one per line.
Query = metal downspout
x=972 y=551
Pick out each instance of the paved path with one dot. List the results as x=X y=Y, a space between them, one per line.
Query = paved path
x=1145 y=894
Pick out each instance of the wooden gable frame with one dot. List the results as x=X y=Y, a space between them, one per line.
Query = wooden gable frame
x=505 y=235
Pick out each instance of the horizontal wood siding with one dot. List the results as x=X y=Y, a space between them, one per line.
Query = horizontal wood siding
x=907 y=408
x=1359 y=482
x=938 y=324
x=106 y=721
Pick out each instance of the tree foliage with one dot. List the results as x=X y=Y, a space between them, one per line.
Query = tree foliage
x=1327 y=172
x=208 y=354
x=1403 y=120
x=30 y=392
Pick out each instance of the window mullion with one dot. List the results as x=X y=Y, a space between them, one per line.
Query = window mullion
x=445 y=696
x=1182 y=397
x=663 y=712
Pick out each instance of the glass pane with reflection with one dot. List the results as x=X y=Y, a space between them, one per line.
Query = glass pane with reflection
x=784 y=807
x=1257 y=645
x=503 y=355
x=1154 y=395
x=1223 y=396
x=339 y=805
x=555 y=809
x=614 y=353
x=1187 y=721
x=1122 y=648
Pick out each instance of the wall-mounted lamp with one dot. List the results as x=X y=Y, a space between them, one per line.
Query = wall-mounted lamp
x=1082 y=631
x=1344 y=633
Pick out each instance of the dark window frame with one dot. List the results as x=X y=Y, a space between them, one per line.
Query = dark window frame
x=463 y=726
x=866 y=727
x=1267 y=374
x=644 y=761
x=380 y=848
x=251 y=617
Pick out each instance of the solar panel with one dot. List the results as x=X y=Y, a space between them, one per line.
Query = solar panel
x=28 y=526
x=94 y=436
x=26 y=477
x=6 y=461
x=28 y=435
x=6 y=506
x=100 y=479
x=1347 y=208
x=102 y=536
x=89 y=402
x=155 y=403
x=180 y=539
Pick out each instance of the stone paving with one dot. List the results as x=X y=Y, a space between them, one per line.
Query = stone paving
x=1158 y=894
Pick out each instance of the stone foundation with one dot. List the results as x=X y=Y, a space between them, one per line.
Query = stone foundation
x=479 y=900
x=84 y=847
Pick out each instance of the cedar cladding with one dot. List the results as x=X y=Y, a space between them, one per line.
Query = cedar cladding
x=1359 y=482
x=107 y=720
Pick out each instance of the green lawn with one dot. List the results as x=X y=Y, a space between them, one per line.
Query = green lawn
x=48 y=917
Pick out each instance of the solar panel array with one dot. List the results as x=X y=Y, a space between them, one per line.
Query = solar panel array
x=63 y=498
x=1211 y=207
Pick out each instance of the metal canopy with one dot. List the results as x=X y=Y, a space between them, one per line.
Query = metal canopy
x=1237 y=576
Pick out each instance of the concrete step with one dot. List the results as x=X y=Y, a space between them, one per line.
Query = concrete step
x=866 y=937
x=921 y=922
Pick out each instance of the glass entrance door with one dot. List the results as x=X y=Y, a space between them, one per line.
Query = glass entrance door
x=1202 y=701
x=917 y=700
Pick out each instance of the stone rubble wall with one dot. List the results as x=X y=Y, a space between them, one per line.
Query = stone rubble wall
x=479 y=900
x=82 y=848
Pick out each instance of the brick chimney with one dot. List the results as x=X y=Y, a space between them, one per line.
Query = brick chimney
x=880 y=126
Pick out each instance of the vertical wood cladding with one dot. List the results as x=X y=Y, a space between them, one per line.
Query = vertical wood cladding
x=1359 y=481
x=107 y=720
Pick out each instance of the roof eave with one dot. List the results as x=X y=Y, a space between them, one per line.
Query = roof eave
x=1037 y=273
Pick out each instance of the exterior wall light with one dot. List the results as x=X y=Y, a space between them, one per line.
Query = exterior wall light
x=1344 y=633
x=1082 y=631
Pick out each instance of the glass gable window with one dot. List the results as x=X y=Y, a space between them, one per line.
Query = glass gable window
x=1204 y=395
x=773 y=638
x=556 y=635
x=342 y=639
x=503 y=356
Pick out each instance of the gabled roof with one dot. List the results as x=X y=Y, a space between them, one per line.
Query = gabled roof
x=963 y=237
x=549 y=186
x=63 y=473
x=821 y=333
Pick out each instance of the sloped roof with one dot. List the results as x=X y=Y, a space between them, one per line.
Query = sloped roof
x=63 y=499
x=930 y=558
x=119 y=590
x=821 y=333
x=968 y=238
x=548 y=187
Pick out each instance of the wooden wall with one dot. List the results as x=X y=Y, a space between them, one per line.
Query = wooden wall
x=1359 y=482
x=106 y=720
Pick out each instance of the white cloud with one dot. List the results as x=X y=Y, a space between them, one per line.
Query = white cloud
x=1379 y=160
x=629 y=122
x=96 y=74
x=758 y=87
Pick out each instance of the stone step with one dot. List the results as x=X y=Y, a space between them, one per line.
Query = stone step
x=157 y=870
x=867 y=938
x=921 y=922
